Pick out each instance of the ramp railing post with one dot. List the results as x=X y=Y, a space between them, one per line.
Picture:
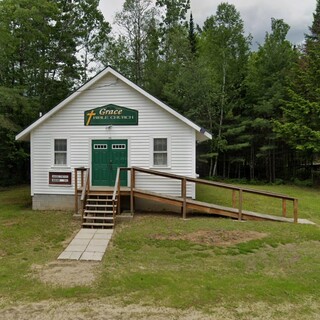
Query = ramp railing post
x=284 y=207
x=295 y=210
x=240 y=204
x=132 y=186
x=234 y=199
x=184 y=197
x=76 y=208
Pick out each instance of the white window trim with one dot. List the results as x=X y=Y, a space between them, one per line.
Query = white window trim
x=57 y=166
x=168 y=166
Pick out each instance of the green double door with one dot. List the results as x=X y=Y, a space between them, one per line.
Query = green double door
x=107 y=157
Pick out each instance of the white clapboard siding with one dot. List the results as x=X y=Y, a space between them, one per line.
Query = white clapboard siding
x=154 y=121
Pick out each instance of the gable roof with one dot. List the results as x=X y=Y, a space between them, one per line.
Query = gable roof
x=202 y=134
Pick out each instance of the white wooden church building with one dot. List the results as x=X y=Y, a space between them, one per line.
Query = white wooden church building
x=107 y=123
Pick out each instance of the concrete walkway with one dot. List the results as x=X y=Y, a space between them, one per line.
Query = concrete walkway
x=88 y=244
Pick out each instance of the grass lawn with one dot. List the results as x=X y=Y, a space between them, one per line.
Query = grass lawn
x=163 y=261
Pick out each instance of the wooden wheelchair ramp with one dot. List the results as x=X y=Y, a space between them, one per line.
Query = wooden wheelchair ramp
x=211 y=209
x=186 y=205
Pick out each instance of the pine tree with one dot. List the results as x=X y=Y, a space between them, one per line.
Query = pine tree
x=192 y=36
x=300 y=125
x=266 y=82
x=225 y=51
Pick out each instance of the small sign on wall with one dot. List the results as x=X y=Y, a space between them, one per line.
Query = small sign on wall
x=62 y=178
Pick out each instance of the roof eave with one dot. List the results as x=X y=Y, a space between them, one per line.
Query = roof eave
x=202 y=135
x=26 y=132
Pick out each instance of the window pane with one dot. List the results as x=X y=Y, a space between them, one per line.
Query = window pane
x=160 y=159
x=60 y=158
x=60 y=145
x=160 y=144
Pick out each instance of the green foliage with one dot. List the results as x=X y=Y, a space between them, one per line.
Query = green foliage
x=262 y=107
x=300 y=124
x=174 y=11
x=15 y=111
x=268 y=72
x=224 y=50
x=46 y=47
x=134 y=19
x=210 y=76
x=92 y=34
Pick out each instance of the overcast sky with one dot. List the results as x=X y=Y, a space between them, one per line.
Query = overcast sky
x=256 y=14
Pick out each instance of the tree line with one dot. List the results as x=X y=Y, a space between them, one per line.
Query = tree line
x=262 y=107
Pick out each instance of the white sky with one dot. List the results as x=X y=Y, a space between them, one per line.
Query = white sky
x=256 y=14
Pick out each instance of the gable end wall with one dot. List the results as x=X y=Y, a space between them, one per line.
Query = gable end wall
x=153 y=122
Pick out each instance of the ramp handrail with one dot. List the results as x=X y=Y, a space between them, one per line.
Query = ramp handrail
x=234 y=189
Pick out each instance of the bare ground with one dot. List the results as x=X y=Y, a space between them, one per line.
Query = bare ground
x=107 y=309
x=67 y=273
x=217 y=237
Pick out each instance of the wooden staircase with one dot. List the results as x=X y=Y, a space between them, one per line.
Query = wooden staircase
x=99 y=211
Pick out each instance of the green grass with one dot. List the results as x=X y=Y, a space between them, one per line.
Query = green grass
x=27 y=237
x=281 y=268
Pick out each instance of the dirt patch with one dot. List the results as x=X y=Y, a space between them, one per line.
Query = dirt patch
x=67 y=273
x=96 y=310
x=108 y=309
x=222 y=238
x=9 y=223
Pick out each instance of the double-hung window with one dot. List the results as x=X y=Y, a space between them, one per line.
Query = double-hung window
x=60 y=152
x=160 y=152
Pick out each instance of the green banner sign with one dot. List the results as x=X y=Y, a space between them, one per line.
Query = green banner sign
x=111 y=114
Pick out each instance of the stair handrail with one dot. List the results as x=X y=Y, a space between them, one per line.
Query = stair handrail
x=116 y=194
x=85 y=191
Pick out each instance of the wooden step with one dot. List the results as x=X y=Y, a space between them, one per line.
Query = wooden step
x=96 y=224
x=98 y=211
x=99 y=205
x=107 y=195
x=97 y=218
x=100 y=200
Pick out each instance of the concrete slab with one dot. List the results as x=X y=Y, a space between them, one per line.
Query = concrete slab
x=92 y=256
x=88 y=245
x=106 y=236
x=80 y=242
x=98 y=242
x=84 y=236
x=87 y=231
x=104 y=231
x=75 y=255
x=71 y=247
x=87 y=256
x=96 y=248
x=65 y=255
x=97 y=256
